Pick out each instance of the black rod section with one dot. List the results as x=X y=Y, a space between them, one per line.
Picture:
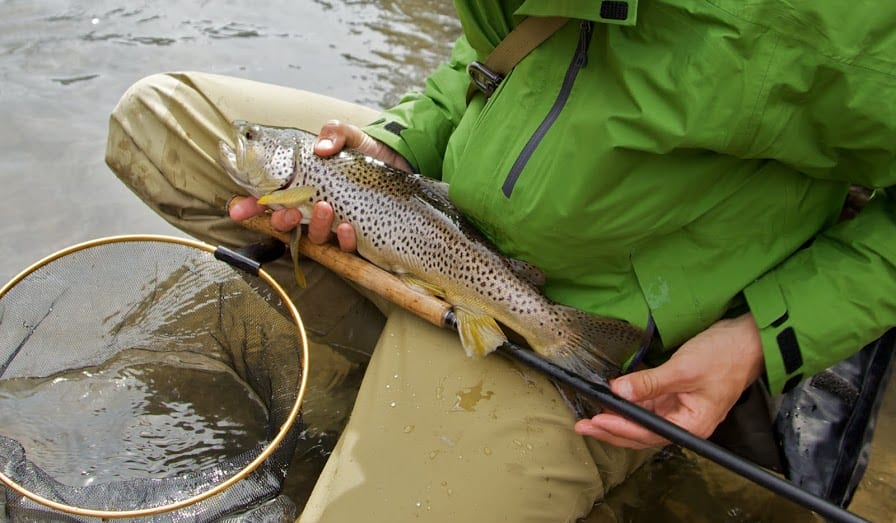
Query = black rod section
x=602 y=394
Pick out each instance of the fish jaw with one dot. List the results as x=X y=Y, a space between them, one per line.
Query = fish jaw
x=227 y=157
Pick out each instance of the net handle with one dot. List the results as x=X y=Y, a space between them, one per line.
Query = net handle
x=224 y=485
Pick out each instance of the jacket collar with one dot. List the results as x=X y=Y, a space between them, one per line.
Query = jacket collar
x=621 y=12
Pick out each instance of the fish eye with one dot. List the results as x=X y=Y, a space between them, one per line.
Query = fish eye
x=251 y=133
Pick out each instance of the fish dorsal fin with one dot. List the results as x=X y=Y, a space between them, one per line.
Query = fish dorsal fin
x=479 y=333
x=435 y=194
x=527 y=271
x=435 y=188
x=292 y=197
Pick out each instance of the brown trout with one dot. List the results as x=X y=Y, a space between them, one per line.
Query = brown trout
x=406 y=224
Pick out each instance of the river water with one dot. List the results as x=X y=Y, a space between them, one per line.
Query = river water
x=64 y=64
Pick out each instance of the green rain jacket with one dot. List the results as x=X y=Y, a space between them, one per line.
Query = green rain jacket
x=682 y=158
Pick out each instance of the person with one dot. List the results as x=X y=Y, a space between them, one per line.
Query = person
x=681 y=162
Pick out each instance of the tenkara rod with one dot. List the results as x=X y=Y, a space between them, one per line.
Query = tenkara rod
x=672 y=432
x=438 y=312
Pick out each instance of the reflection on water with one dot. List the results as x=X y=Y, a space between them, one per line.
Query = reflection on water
x=142 y=414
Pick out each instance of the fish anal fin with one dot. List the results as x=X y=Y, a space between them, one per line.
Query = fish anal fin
x=592 y=346
x=421 y=286
x=479 y=333
x=294 y=239
x=292 y=197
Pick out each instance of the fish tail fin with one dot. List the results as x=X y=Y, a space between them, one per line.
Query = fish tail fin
x=479 y=333
x=595 y=347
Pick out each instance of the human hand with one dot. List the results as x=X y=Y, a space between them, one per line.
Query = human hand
x=695 y=389
x=333 y=137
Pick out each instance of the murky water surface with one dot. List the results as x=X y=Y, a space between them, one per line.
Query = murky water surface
x=140 y=415
x=63 y=66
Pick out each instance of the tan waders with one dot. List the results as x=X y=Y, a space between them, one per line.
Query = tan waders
x=434 y=435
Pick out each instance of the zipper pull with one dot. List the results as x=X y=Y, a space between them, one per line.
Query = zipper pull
x=585 y=31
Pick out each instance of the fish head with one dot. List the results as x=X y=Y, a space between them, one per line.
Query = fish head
x=263 y=159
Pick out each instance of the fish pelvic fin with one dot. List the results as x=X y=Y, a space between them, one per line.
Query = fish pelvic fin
x=421 y=286
x=292 y=197
x=294 y=239
x=479 y=333
x=595 y=347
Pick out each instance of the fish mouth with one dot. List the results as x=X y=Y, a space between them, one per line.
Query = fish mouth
x=233 y=159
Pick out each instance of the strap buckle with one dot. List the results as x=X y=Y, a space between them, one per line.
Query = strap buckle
x=484 y=78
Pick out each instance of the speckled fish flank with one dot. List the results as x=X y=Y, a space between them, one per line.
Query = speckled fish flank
x=406 y=224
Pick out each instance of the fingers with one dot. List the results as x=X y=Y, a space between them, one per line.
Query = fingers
x=321 y=225
x=619 y=431
x=245 y=209
x=282 y=219
x=663 y=390
x=285 y=220
x=650 y=383
x=345 y=233
x=335 y=136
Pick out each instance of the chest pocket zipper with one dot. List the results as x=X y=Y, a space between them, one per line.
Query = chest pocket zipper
x=579 y=60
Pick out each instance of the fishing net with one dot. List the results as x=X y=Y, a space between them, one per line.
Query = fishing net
x=145 y=378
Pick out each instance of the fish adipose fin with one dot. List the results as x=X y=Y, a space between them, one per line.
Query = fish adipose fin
x=292 y=197
x=479 y=334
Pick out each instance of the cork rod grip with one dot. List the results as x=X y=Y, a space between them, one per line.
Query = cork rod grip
x=360 y=271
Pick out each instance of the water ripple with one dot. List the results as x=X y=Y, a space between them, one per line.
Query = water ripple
x=75 y=79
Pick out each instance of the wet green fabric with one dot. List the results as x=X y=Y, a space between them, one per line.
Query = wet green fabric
x=702 y=146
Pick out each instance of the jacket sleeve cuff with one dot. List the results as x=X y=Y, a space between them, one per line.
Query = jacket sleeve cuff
x=827 y=301
x=783 y=359
x=415 y=146
x=419 y=127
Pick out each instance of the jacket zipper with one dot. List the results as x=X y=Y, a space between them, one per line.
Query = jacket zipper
x=578 y=62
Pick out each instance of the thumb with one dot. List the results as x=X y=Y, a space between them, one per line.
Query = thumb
x=646 y=384
x=336 y=135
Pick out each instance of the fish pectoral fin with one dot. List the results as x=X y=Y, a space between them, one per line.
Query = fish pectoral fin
x=479 y=333
x=294 y=239
x=292 y=197
x=421 y=286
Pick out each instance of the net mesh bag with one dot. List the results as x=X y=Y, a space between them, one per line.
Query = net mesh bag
x=144 y=378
